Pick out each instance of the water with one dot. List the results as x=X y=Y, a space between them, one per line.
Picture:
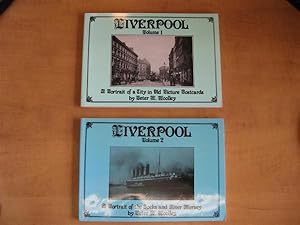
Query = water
x=185 y=192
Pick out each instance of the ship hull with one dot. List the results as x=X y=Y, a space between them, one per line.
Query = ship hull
x=159 y=182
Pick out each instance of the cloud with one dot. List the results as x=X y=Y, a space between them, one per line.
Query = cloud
x=209 y=202
x=202 y=205
x=93 y=205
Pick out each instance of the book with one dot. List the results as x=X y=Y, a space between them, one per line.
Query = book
x=152 y=170
x=151 y=60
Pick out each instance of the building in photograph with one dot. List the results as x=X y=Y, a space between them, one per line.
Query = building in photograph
x=172 y=66
x=181 y=61
x=163 y=72
x=171 y=61
x=144 y=69
x=124 y=63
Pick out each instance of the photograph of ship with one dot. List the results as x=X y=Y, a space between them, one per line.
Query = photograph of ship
x=148 y=173
x=151 y=60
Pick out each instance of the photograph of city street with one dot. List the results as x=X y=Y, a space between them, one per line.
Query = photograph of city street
x=151 y=60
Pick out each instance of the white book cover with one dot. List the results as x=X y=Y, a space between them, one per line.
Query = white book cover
x=151 y=60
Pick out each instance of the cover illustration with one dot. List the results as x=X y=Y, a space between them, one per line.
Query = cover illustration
x=151 y=60
x=152 y=170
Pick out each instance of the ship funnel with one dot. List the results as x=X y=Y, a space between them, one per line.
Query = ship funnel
x=147 y=169
x=133 y=172
x=142 y=170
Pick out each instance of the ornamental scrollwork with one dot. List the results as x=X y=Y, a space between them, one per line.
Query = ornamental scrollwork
x=89 y=99
x=216 y=214
x=89 y=125
x=215 y=126
x=210 y=19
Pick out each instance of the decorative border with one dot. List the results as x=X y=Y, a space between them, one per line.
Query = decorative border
x=210 y=20
x=89 y=124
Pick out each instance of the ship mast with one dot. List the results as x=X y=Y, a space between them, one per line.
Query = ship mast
x=158 y=169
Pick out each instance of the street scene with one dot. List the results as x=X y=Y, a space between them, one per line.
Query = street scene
x=149 y=83
x=151 y=61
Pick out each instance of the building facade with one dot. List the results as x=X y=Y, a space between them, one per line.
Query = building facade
x=144 y=69
x=181 y=61
x=164 y=72
x=124 y=63
x=172 y=63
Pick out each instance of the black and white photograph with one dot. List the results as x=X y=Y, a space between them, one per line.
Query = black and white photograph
x=151 y=173
x=151 y=60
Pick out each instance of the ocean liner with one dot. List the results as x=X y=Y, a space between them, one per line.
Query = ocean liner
x=141 y=177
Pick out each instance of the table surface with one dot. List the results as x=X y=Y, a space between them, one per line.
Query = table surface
x=40 y=76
